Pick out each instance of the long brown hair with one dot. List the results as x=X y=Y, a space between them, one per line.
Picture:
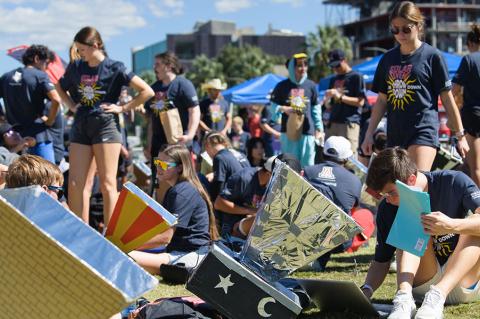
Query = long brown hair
x=181 y=155
x=409 y=11
x=170 y=59
x=90 y=36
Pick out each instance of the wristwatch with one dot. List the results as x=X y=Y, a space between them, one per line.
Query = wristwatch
x=460 y=133
x=366 y=286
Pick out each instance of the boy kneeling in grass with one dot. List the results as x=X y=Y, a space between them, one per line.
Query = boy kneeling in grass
x=449 y=271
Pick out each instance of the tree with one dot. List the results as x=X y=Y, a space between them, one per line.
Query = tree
x=204 y=69
x=319 y=43
x=148 y=76
x=243 y=63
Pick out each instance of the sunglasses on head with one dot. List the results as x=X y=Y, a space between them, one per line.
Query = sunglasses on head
x=163 y=164
x=406 y=29
x=57 y=189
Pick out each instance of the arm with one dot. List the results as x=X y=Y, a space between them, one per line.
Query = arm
x=377 y=113
x=148 y=147
x=159 y=240
x=193 y=122
x=55 y=99
x=352 y=101
x=375 y=276
x=454 y=117
x=268 y=129
x=66 y=99
x=145 y=93
x=204 y=126
x=231 y=208
x=437 y=223
x=228 y=123
x=457 y=91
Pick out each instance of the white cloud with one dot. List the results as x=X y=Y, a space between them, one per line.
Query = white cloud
x=57 y=21
x=293 y=3
x=228 y=6
x=166 y=8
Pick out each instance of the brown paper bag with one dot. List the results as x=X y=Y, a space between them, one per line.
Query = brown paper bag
x=172 y=125
x=295 y=126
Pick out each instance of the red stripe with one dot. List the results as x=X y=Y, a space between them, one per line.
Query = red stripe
x=116 y=213
x=147 y=220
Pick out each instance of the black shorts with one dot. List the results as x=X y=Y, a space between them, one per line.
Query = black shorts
x=95 y=128
x=425 y=137
x=471 y=122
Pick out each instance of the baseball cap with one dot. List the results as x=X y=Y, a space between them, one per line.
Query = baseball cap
x=287 y=158
x=335 y=57
x=5 y=127
x=338 y=147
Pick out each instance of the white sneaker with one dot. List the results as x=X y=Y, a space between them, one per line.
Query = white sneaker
x=432 y=306
x=403 y=306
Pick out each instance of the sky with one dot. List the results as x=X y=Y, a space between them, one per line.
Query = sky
x=127 y=24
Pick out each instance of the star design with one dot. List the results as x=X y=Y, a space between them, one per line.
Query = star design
x=224 y=283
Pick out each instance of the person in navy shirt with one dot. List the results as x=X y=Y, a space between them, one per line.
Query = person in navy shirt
x=344 y=98
x=243 y=193
x=24 y=92
x=296 y=101
x=271 y=132
x=188 y=241
x=448 y=271
x=238 y=136
x=468 y=80
x=215 y=110
x=90 y=88
x=409 y=78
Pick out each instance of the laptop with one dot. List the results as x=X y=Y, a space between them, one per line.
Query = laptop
x=342 y=296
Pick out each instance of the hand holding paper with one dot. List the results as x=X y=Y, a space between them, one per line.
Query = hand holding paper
x=438 y=223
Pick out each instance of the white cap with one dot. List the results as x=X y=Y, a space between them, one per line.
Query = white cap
x=338 y=147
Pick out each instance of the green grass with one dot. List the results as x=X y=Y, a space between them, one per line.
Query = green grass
x=341 y=267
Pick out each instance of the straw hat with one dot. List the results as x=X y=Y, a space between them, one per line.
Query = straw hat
x=214 y=84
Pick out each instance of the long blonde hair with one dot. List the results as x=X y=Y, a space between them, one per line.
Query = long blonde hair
x=181 y=155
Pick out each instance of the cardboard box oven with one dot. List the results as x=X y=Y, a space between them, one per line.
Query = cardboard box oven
x=237 y=292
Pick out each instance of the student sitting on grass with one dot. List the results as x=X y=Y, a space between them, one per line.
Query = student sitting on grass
x=188 y=241
x=29 y=170
x=449 y=271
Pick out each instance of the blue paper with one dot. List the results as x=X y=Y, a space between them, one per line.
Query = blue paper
x=407 y=231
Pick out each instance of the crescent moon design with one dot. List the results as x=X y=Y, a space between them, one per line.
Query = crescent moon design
x=261 y=306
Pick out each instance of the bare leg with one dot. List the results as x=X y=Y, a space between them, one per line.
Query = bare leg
x=423 y=156
x=80 y=159
x=150 y=262
x=87 y=191
x=473 y=158
x=106 y=158
x=463 y=266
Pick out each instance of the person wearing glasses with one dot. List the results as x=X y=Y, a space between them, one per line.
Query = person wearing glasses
x=296 y=100
x=188 y=241
x=466 y=84
x=409 y=78
x=344 y=98
x=90 y=88
x=449 y=270
x=28 y=170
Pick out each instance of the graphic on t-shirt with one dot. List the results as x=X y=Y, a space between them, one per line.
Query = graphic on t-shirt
x=442 y=245
x=159 y=102
x=17 y=77
x=327 y=173
x=401 y=87
x=298 y=100
x=90 y=91
x=216 y=113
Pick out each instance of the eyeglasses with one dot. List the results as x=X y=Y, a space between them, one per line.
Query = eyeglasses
x=388 y=194
x=57 y=189
x=163 y=164
x=406 y=29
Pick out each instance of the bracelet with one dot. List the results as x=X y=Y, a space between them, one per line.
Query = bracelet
x=367 y=286
x=460 y=133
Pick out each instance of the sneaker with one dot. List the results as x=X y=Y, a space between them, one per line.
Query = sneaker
x=403 y=306
x=432 y=306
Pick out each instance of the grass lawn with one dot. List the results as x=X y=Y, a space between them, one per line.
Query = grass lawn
x=341 y=267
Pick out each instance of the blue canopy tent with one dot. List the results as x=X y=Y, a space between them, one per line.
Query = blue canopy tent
x=253 y=91
x=368 y=68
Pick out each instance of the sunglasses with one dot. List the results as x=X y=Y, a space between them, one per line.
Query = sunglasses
x=57 y=189
x=388 y=194
x=406 y=29
x=163 y=164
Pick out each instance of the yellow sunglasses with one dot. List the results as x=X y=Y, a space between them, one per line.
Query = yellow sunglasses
x=163 y=164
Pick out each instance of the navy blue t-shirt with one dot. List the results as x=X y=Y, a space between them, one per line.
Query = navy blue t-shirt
x=191 y=210
x=24 y=91
x=226 y=163
x=214 y=113
x=93 y=86
x=179 y=93
x=412 y=84
x=452 y=193
x=286 y=92
x=336 y=182
x=468 y=76
x=239 y=141
x=266 y=118
x=349 y=84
